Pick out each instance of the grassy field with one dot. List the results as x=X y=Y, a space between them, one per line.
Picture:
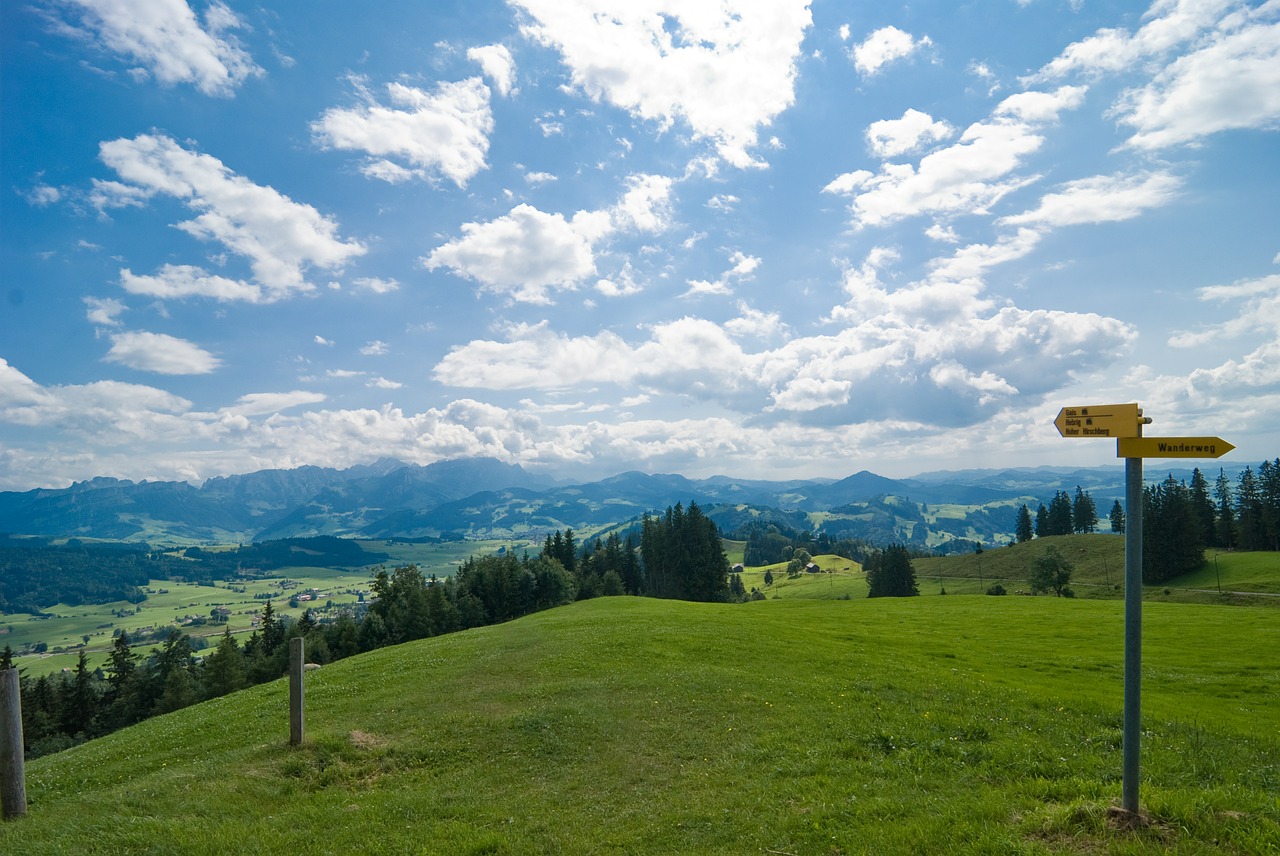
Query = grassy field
x=1099 y=573
x=792 y=726
x=172 y=604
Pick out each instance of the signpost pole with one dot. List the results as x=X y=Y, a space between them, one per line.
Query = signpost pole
x=1132 y=631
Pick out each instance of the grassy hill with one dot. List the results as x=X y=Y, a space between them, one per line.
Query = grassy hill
x=793 y=726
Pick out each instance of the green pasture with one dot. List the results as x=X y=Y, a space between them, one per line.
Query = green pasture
x=793 y=726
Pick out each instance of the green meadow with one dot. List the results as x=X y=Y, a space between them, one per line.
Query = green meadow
x=184 y=605
x=784 y=726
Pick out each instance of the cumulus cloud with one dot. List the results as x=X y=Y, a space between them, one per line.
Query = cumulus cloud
x=892 y=137
x=261 y=403
x=280 y=238
x=498 y=64
x=525 y=254
x=441 y=133
x=166 y=40
x=726 y=70
x=160 y=353
x=884 y=46
x=104 y=311
x=742 y=266
x=969 y=175
x=528 y=254
x=935 y=351
x=1231 y=83
x=1224 y=74
x=1169 y=23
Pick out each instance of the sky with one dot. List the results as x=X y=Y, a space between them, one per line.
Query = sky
x=763 y=238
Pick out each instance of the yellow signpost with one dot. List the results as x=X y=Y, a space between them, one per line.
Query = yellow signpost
x=1172 y=447
x=1124 y=422
x=1100 y=420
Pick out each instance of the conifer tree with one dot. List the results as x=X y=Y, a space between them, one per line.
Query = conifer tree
x=1023 y=530
x=1084 y=513
x=1117 y=517
x=1225 y=533
x=890 y=573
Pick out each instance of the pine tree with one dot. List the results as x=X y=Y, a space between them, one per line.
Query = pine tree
x=1249 y=512
x=224 y=670
x=891 y=574
x=1060 y=517
x=1269 y=488
x=1084 y=513
x=1023 y=531
x=1202 y=504
x=1117 y=517
x=1042 y=521
x=1225 y=533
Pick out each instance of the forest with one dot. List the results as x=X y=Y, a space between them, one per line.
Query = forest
x=678 y=554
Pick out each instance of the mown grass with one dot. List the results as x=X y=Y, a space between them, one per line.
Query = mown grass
x=624 y=725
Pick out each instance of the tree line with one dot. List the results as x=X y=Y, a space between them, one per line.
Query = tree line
x=674 y=555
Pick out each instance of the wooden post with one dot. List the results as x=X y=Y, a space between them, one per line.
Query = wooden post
x=297 y=663
x=13 y=782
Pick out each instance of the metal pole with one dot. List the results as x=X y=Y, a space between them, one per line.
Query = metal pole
x=1132 y=630
x=13 y=781
x=297 y=663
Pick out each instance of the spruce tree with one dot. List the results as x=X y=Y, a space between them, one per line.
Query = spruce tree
x=1117 y=517
x=1023 y=531
x=1084 y=514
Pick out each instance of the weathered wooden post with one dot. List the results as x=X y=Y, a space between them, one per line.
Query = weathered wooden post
x=297 y=664
x=13 y=781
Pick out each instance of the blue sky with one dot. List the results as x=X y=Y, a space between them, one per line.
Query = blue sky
x=766 y=238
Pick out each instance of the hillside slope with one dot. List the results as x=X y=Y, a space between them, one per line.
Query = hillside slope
x=638 y=726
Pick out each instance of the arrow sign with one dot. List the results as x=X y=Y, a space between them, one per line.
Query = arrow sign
x=1172 y=447
x=1100 y=420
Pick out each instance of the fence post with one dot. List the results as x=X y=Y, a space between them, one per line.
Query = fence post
x=13 y=783
x=297 y=663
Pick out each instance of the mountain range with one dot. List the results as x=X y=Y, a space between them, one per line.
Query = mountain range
x=485 y=498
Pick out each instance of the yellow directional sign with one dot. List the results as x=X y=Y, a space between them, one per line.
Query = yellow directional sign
x=1100 y=420
x=1172 y=447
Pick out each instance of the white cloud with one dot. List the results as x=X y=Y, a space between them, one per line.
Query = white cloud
x=884 y=46
x=1101 y=199
x=160 y=353
x=742 y=267
x=43 y=195
x=1258 y=315
x=967 y=176
x=104 y=312
x=1041 y=107
x=383 y=383
x=727 y=69
x=165 y=37
x=179 y=281
x=498 y=64
x=376 y=348
x=376 y=284
x=892 y=137
x=1230 y=84
x=527 y=253
x=280 y=238
x=441 y=133
x=321 y=340
x=539 y=177
x=935 y=351
x=756 y=325
x=1170 y=23
x=265 y=403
